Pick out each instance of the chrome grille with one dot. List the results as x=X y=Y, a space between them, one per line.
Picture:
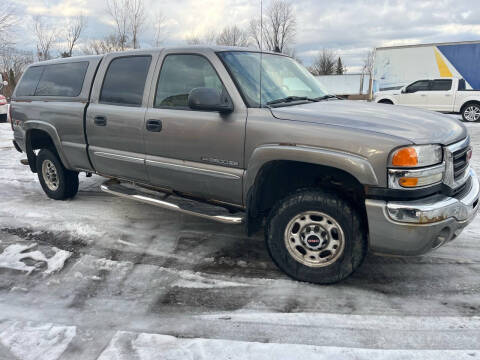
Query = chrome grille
x=456 y=164
x=460 y=163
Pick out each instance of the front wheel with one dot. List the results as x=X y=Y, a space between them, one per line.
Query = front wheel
x=471 y=113
x=58 y=182
x=316 y=236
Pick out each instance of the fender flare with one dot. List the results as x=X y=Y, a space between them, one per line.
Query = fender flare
x=357 y=166
x=52 y=132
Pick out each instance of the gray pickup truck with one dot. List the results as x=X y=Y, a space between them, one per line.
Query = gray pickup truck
x=239 y=136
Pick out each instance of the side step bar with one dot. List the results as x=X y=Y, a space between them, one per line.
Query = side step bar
x=171 y=202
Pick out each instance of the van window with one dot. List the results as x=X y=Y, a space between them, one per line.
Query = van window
x=62 y=79
x=441 y=85
x=179 y=75
x=124 y=81
x=29 y=81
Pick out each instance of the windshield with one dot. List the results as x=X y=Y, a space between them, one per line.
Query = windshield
x=282 y=77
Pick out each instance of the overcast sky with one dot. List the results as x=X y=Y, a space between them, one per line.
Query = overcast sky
x=350 y=27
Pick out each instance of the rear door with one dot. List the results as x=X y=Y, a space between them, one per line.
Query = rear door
x=116 y=115
x=191 y=151
x=415 y=94
x=441 y=95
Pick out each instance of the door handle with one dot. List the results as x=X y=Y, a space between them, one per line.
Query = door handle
x=154 y=125
x=423 y=94
x=100 y=120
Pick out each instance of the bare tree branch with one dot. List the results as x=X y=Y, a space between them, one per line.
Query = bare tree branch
x=137 y=19
x=324 y=63
x=46 y=37
x=368 y=63
x=12 y=65
x=159 y=26
x=208 y=39
x=279 y=27
x=110 y=43
x=7 y=21
x=119 y=12
x=73 y=31
x=233 y=36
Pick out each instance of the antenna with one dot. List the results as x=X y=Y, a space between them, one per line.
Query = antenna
x=261 y=49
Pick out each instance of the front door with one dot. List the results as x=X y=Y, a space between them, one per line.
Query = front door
x=116 y=116
x=415 y=94
x=190 y=151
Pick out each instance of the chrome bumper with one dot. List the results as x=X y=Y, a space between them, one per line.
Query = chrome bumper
x=438 y=207
x=418 y=226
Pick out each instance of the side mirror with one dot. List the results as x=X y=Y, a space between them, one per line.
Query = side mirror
x=209 y=99
x=404 y=90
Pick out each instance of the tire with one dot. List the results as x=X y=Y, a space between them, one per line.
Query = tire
x=318 y=208
x=58 y=182
x=471 y=112
x=3 y=118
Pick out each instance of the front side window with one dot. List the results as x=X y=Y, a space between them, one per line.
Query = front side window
x=124 y=81
x=62 y=79
x=179 y=75
x=281 y=77
x=29 y=81
x=421 y=85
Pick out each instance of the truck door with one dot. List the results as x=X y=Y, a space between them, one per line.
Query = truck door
x=415 y=94
x=191 y=151
x=441 y=95
x=116 y=115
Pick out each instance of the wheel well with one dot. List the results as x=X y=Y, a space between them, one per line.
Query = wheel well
x=471 y=102
x=277 y=179
x=37 y=139
x=385 y=101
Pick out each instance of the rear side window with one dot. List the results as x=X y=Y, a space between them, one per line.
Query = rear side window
x=462 y=85
x=62 y=79
x=124 y=81
x=441 y=85
x=29 y=81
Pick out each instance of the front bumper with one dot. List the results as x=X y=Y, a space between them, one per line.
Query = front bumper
x=417 y=226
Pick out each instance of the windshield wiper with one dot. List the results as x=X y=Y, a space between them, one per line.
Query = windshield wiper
x=325 y=97
x=290 y=99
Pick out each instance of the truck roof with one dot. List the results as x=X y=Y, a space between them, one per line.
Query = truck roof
x=215 y=48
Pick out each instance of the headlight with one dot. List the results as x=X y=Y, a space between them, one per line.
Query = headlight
x=424 y=163
x=416 y=156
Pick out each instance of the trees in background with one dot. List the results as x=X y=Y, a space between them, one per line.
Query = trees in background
x=277 y=32
x=7 y=21
x=233 y=36
x=130 y=19
x=327 y=63
x=45 y=36
x=12 y=64
x=324 y=63
x=73 y=31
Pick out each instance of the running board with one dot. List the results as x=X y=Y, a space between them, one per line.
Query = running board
x=171 y=202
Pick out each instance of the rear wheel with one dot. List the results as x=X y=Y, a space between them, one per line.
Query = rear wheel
x=316 y=236
x=58 y=182
x=471 y=112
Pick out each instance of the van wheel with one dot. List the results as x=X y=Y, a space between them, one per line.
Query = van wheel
x=471 y=112
x=58 y=182
x=316 y=236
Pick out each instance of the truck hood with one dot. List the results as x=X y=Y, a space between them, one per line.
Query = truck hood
x=415 y=125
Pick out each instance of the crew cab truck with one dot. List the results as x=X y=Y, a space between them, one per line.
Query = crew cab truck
x=195 y=130
x=448 y=95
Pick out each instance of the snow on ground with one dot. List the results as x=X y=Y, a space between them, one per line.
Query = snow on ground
x=102 y=277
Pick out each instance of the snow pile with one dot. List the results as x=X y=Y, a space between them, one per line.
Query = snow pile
x=12 y=256
x=128 y=345
x=36 y=342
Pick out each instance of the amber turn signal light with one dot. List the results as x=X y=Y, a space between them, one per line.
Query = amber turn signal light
x=405 y=157
x=408 y=182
